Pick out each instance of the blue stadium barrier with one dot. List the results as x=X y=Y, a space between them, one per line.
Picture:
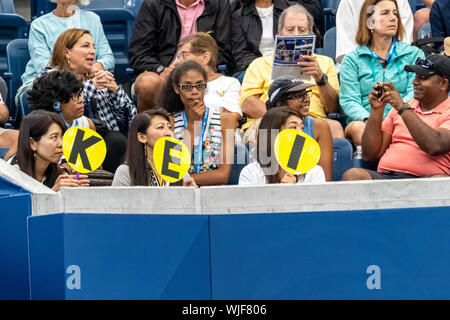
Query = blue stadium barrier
x=18 y=56
x=164 y=257
x=369 y=254
x=15 y=204
x=7 y=6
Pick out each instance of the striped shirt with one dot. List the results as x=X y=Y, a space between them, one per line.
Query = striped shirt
x=212 y=139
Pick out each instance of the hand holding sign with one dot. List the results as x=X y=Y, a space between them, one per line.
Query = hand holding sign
x=172 y=159
x=84 y=149
x=296 y=152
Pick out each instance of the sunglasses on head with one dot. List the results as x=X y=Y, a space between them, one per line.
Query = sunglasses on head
x=189 y=87
x=426 y=64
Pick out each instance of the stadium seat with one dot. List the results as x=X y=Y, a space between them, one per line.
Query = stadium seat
x=118 y=26
x=416 y=5
x=240 y=155
x=17 y=56
x=3 y=152
x=131 y=5
x=424 y=31
x=24 y=108
x=7 y=6
x=41 y=7
x=342 y=157
x=329 y=11
x=329 y=44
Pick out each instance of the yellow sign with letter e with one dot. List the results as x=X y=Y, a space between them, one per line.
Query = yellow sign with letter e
x=172 y=159
x=296 y=152
x=84 y=149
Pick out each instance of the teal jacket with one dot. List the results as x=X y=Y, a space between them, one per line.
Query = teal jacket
x=360 y=71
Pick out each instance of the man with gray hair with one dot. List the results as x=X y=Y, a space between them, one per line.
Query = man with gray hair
x=294 y=21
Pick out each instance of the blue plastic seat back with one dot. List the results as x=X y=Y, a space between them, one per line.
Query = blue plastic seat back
x=342 y=157
x=3 y=152
x=12 y=26
x=118 y=26
x=329 y=12
x=329 y=44
x=18 y=56
x=24 y=108
x=41 y=7
x=241 y=159
x=7 y=6
x=424 y=31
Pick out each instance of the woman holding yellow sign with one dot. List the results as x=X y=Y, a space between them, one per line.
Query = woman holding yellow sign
x=202 y=129
x=140 y=169
x=267 y=168
x=40 y=151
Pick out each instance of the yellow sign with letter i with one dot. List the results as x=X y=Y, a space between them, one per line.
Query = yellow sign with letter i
x=296 y=152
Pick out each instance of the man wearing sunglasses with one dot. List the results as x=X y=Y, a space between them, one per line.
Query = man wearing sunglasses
x=414 y=139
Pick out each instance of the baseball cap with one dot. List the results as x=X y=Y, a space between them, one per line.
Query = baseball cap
x=433 y=64
x=284 y=84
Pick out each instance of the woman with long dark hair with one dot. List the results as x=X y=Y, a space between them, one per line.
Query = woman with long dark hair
x=40 y=151
x=202 y=129
x=139 y=170
x=266 y=169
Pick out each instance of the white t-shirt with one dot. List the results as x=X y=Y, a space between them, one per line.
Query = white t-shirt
x=253 y=174
x=224 y=92
x=267 y=39
x=347 y=19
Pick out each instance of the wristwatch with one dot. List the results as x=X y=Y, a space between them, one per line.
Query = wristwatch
x=159 y=69
x=404 y=107
x=323 y=81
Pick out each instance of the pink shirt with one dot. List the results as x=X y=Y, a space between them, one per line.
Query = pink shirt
x=188 y=17
x=403 y=154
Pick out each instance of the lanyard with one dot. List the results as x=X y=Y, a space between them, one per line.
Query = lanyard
x=69 y=126
x=198 y=148
x=391 y=52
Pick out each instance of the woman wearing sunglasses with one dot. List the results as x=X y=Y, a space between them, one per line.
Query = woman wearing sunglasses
x=381 y=56
x=207 y=133
x=60 y=92
x=266 y=169
x=291 y=92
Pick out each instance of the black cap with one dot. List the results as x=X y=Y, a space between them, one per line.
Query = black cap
x=284 y=84
x=433 y=64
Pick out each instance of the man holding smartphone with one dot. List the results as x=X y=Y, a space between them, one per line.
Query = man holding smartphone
x=413 y=140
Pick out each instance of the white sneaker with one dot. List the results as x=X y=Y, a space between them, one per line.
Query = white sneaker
x=358 y=153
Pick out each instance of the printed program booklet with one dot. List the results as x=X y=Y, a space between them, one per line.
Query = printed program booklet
x=287 y=52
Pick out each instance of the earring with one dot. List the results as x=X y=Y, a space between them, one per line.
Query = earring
x=145 y=151
x=56 y=105
x=34 y=154
x=371 y=31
